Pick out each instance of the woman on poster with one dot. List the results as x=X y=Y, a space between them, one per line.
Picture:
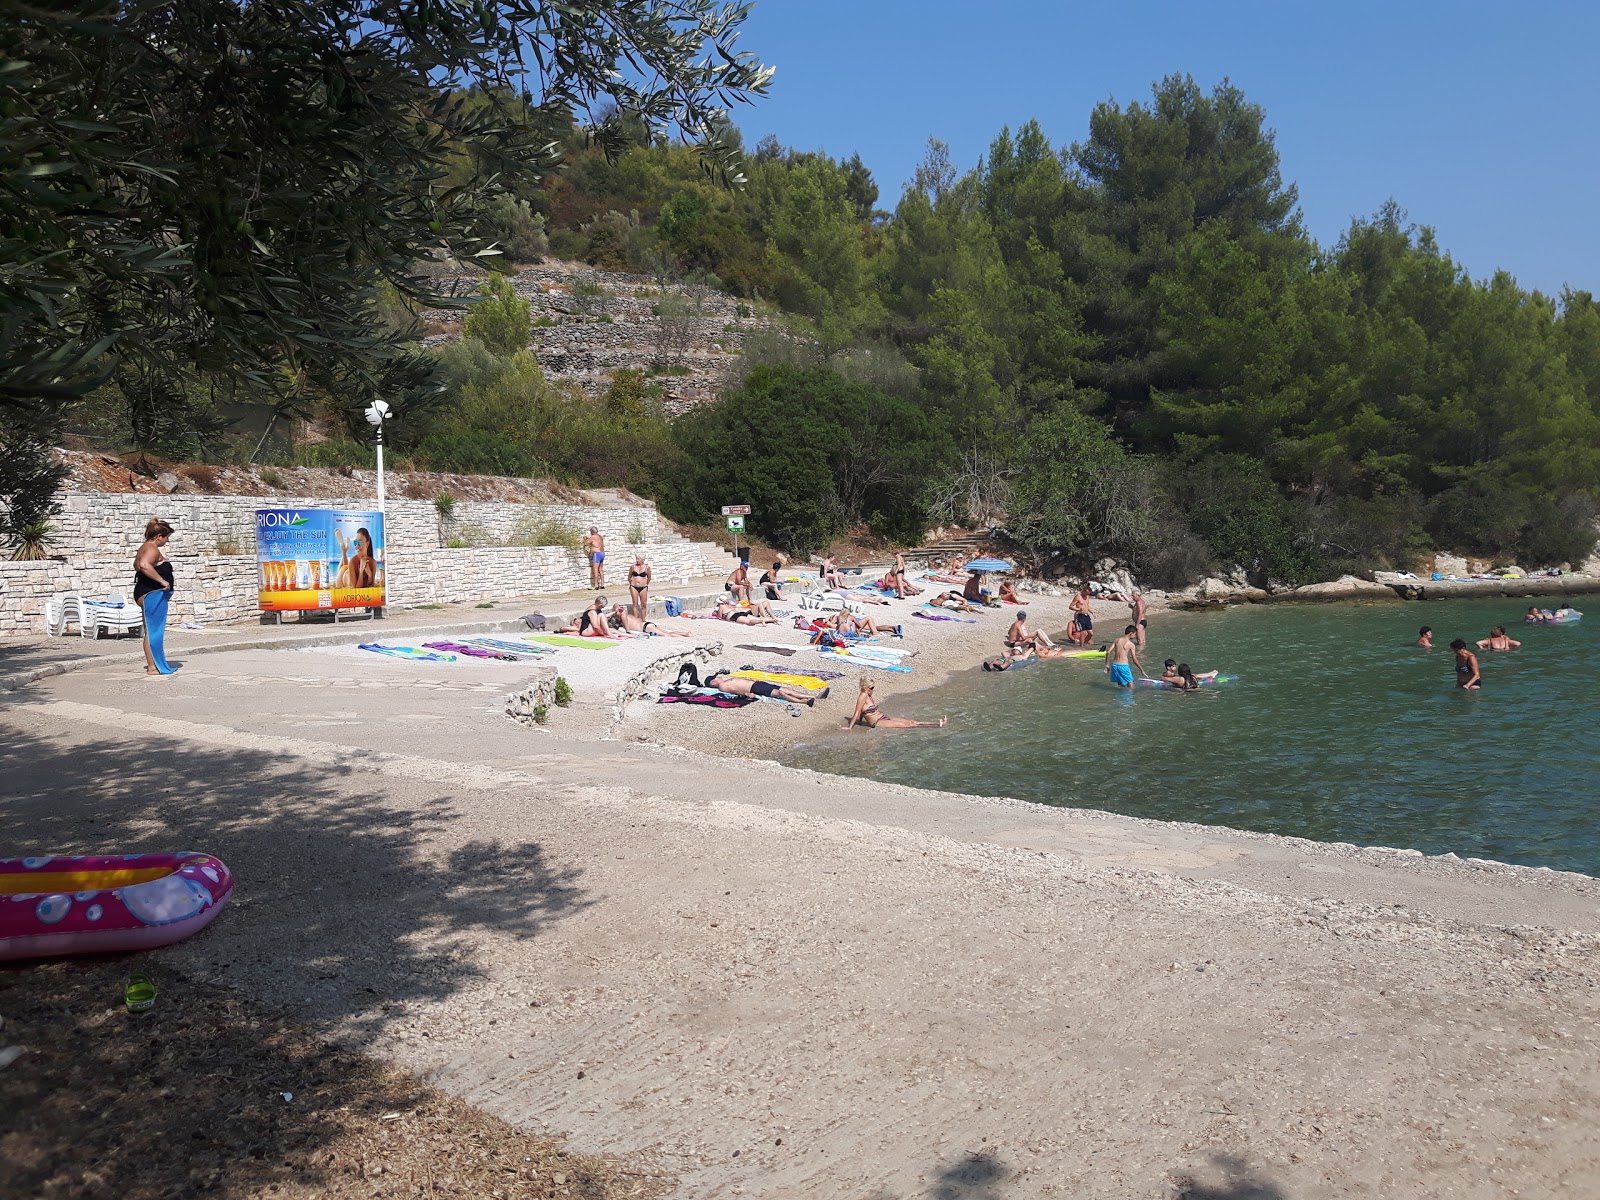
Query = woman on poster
x=357 y=567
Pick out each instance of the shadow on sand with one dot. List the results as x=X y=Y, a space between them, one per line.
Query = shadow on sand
x=348 y=906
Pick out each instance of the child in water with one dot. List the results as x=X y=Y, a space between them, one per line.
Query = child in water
x=1467 y=675
x=1177 y=674
x=1425 y=637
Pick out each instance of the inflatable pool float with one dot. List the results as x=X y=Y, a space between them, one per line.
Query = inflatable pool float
x=1204 y=682
x=1546 y=617
x=55 y=906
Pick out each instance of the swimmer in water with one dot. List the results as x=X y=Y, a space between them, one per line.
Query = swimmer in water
x=1172 y=672
x=1185 y=679
x=1498 y=640
x=1425 y=637
x=1467 y=675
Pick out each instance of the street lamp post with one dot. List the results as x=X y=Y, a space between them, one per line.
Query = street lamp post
x=375 y=413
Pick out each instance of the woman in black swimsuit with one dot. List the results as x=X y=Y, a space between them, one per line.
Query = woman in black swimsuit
x=639 y=587
x=592 y=621
x=152 y=591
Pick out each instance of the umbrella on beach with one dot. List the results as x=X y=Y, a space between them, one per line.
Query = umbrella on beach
x=987 y=564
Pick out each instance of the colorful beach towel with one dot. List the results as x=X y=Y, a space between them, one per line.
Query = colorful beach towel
x=469 y=651
x=522 y=649
x=407 y=652
x=784 y=668
x=940 y=615
x=576 y=643
x=708 y=696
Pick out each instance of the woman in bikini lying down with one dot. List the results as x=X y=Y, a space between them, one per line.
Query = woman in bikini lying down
x=625 y=618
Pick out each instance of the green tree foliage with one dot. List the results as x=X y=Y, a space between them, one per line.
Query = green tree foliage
x=217 y=187
x=501 y=320
x=813 y=455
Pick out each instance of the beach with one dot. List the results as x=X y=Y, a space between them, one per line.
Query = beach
x=761 y=981
x=941 y=650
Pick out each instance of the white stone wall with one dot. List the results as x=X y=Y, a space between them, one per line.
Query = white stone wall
x=111 y=523
x=214 y=588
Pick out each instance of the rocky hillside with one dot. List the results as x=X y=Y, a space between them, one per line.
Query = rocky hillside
x=589 y=322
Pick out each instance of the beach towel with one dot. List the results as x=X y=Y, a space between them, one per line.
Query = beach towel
x=674 y=606
x=576 y=643
x=407 y=652
x=876 y=663
x=782 y=668
x=155 y=627
x=708 y=696
x=811 y=683
x=522 y=649
x=887 y=653
x=775 y=647
x=469 y=651
x=940 y=615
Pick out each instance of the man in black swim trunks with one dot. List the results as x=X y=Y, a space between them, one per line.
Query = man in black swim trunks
x=764 y=688
x=1082 y=631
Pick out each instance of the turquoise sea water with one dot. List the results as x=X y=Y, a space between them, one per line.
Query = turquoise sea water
x=1339 y=729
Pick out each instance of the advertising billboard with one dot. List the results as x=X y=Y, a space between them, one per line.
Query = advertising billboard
x=318 y=558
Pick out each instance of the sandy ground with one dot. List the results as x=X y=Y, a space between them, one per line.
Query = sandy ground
x=770 y=982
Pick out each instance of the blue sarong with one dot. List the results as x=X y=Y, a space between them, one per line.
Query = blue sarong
x=155 y=627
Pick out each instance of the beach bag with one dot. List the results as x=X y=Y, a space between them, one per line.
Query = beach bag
x=534 y=621
x=674 y=606
x=688 y=676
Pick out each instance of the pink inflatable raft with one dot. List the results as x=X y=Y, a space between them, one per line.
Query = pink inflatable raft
x=55 y=906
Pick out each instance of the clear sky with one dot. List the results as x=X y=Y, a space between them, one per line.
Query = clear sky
x=1482 y=120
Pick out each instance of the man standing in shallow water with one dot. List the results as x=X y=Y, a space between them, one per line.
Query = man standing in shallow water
x=1119 y=655
x=1136 y=606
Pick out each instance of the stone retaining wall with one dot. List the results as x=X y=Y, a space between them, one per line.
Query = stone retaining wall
x=216 y=588
x=96 y=524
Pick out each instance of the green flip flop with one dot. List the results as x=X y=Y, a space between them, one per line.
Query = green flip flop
x=139 y=993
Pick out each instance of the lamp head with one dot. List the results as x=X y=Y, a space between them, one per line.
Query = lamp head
x=376 y=412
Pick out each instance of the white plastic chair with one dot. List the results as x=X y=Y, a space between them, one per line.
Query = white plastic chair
x=59 y=611
x=98 y=616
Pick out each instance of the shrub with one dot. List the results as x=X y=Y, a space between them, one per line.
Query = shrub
x=335 y=453
x=272 y=478
x=636 y=534
x=473 y=534
x=519 y=230
x=475 y=452
x=531 y=530
x=541 y=713
x=202 y=476
x=563 y=692
x=501 y=320
x=445 y=505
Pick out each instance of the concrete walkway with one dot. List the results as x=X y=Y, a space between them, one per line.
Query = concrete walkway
x=26 y=660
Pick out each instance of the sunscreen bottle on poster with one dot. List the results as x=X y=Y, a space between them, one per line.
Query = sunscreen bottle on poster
x=302 y=575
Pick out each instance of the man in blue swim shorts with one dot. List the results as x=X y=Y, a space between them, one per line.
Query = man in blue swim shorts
x=1122 y=656
x=595 y=547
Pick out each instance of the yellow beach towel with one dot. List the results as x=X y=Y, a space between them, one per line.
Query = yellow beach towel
x=810 y=682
